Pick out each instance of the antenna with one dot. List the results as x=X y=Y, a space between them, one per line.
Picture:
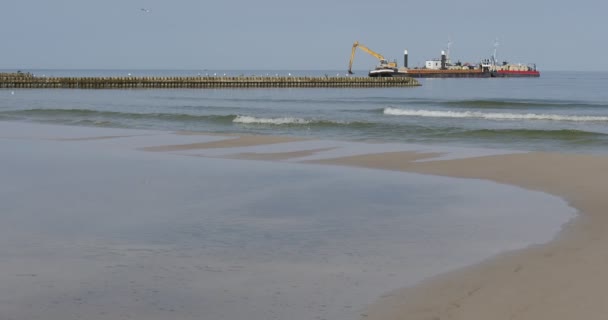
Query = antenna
x=495 y=47
x=448 y=49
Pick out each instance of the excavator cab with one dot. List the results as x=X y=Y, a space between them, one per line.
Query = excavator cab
x=388 y=64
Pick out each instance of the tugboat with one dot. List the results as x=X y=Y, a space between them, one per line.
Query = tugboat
x=516 y=70
x=512 y=70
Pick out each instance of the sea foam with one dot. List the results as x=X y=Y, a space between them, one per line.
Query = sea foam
x=489 y=115
x=254 y=120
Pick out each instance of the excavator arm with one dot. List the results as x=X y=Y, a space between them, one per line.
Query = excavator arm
x=369 y=51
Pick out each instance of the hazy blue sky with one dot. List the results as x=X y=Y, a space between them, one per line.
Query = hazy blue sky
x=286 y=34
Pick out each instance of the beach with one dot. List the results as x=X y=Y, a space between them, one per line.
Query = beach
x=560 y=280
x=106 y=242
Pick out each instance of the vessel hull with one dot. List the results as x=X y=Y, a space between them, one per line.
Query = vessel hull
x=434 y=74
x=456 y=74
x=516 y=74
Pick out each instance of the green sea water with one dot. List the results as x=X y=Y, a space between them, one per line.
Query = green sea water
x=560 y=111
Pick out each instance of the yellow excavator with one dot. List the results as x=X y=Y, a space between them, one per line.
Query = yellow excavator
x=383 y=62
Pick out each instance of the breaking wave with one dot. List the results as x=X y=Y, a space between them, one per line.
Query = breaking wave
x=517 y=104
x=277 y=121
x=107 y=118
x=491 y=115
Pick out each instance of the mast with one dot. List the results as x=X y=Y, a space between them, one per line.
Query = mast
x=494 y=60
x=448 y=50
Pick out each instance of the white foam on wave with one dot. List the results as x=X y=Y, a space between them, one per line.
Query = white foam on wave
x=489 y=115
x=254 y=120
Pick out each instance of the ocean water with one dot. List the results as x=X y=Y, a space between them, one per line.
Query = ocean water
x=560 y=111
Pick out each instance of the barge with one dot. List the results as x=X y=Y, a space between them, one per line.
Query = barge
x=444 y=68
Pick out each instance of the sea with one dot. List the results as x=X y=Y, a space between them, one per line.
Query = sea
x=99 y=229
x=559 y=111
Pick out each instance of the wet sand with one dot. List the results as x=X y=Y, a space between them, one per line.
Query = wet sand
x=563 y=279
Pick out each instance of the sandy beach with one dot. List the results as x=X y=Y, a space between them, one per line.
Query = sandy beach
x=560 y=280
x=563 y=279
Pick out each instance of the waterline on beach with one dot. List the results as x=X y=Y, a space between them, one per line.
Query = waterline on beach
x=198 y=234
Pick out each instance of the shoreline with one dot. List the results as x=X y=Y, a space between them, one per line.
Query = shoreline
x=561 y=279
x=555 y=280
x=552 y=280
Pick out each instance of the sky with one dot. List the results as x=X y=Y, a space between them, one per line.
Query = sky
x=297 y=35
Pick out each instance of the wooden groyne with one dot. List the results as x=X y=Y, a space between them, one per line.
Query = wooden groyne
x=27 y=80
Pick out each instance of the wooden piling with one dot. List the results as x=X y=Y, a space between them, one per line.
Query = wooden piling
x=27 y=80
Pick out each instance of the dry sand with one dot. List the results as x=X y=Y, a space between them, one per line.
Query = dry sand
x=564 y=279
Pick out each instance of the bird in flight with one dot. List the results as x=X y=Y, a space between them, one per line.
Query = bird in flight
x=144 y=10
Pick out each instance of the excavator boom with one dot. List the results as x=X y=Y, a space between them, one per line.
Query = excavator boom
x=378 y=56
